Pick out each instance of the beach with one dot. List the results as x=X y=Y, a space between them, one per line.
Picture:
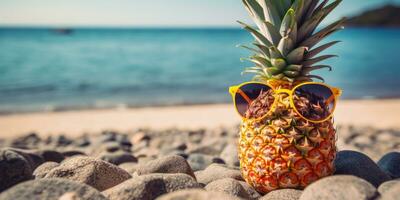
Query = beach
x=373 y=113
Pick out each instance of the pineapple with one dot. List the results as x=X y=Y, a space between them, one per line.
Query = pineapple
x=284 y=150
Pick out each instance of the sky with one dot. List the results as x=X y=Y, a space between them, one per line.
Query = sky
x=143 y=13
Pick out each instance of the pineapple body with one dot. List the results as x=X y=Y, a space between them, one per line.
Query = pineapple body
x=285 y=151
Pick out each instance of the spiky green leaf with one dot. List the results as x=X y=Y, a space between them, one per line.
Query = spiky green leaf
x=275 y=53
x=297 y=55
x=313 y=61
x=285 y=45
x=273 y=32
x=256 y=34
x=271 y=13
x=318 y=50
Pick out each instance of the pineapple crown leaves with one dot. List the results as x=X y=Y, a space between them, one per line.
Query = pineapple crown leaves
x=285 y=38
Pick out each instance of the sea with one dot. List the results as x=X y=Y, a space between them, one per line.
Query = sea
x=42 y=69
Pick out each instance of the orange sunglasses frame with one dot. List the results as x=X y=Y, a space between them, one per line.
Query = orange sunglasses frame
x=233 y=90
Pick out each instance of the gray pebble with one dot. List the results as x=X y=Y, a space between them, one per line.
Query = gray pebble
x=229 y=186
x=217 y=171
x=287 y=194
x=343 y=187
x=201 y=161
x=388 y=185
x=197 y=194
x=50 y=189
x=148 y=187
x=118 y=157
x=168 y=164
x=14 y=168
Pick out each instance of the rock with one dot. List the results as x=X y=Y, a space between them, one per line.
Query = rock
x=50 y=189
x=50 y=155
x=229 y=186
x=230 y=155
x=197 y=194
x=148 y=187
x=33 y=159
x=14 y=168
x=217 y=171
x=31 y=140
x=117 y=158
x=140 y=137
x=94 y=172
x=43 y=169
x=342 y=187
x=360 y=165
x=287 y=194
x=201 y=161
x=253 y=194
x=391 y=193
x=129 y=167
x=168 y=164
x=72 y=153
x=69 y=196
x=390 y=164
x=388 y=185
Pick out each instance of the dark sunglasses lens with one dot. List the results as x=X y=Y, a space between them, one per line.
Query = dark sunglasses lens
x=313 y=101
x=253 y=100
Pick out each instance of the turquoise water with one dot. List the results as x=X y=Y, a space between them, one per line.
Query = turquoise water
x=91 y=68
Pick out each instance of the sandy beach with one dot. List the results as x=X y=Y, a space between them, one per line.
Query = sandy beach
x=374 y=113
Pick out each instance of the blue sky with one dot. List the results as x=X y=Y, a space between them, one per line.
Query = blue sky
x=166 y=13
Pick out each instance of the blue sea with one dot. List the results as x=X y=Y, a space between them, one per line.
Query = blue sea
x=100 y=68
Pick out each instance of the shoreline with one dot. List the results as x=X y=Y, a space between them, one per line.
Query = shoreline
x=373 y=113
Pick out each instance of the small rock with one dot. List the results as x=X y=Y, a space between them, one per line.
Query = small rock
x=230 y=155
x=390 y=164
x=139 y=137
x=253 y=194
x=388 y=185
x=34 y=159
x=391 y=193
x=129 y=167
x=31 y=140
x=14 y=168
x=43 y=169
x=341 y=187
x=203 y=149
x=50 y=155
x=360 y=165
x=72 y=153
x=94 y=172
x=168 y=164
x=69 y=196
x=117 y=158
x=229 y=186
x=287 y=194
x=201 y=161
x=217 y=171
x=50 y=189
x=197 y=194
x=148 y=187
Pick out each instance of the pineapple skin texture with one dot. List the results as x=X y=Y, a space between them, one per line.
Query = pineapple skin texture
x=285 y=151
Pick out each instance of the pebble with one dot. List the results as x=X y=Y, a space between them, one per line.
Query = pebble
x=230 y=155
x=341 y=187
x=130 y=167
x=388 y=185
x=197 y=194
x=360 y=165
x=71 y=153
x=168 y=164
x=217 y=171
x=14 y=168
x=287 y=194
x=229 y=186
x=391 y=193
x=201 y=161
x=390 y=164
x=118 y=158
x=149 y=187
x=50 y=189
x=94 y=172
x=50 y=155
x=43 y=169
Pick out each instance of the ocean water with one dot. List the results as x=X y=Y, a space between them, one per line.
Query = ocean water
x=95 y=68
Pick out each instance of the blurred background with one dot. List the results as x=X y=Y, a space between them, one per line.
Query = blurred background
x=73 y=54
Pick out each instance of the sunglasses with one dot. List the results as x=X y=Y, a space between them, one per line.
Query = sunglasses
x=314 y=102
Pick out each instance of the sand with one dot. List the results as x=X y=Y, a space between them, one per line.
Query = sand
x=375 y=113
